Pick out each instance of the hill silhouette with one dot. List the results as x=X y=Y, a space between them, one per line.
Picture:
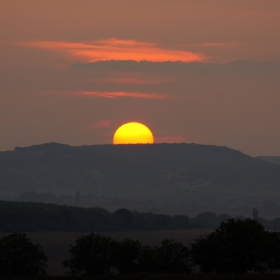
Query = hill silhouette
x=164 y=178
x=272 y=159
x=178 y=156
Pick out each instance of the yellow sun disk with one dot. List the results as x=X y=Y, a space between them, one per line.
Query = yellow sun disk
x=133 y=133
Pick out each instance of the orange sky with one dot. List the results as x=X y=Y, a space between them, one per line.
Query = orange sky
x=193 y=71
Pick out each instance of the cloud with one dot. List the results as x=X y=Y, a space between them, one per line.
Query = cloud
x=133 y=80
x=101 y=124
x=114 y=49
x=237 y=67
x=116 y=95
x=212 y=44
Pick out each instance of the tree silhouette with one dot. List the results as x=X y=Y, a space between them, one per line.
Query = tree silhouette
x=237 y=247
x=148 y=261
x=91 y=255
x=19 y=256
x=173 y=257
x=126 y=256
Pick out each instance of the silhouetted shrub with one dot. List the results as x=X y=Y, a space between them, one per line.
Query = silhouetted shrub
x=237 y=247
x=91 y=255
x=19 y=256
x=173 y=257
x=95 y=254
x=126 y=256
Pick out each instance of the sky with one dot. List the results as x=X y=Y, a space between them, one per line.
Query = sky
x=193 y=71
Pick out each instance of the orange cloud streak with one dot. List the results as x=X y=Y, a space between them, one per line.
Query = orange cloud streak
x=114 y=49
x=133 y=81
x=115 y=95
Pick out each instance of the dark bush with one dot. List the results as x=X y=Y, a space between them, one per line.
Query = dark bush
x=238 y=247
x=91 y=255
x=19 y=256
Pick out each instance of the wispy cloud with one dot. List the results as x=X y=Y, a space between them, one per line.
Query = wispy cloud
x=116 y=95
x=240 y=66
x=213 y=44
x=133 y=80
x=114 y=49
x=101 y=124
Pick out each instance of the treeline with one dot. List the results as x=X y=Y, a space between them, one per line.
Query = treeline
x=235 y=247
x=196 y=276
x=31 y=216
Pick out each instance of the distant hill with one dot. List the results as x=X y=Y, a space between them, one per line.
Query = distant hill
x=272 y=159
x=164 y=178
x=177 y=156
x=53 y=166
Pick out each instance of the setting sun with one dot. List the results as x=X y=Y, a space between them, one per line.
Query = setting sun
x=133 y=133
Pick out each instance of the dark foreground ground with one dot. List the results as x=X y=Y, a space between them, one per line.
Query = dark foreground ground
x=158 y=277
x=56 y=244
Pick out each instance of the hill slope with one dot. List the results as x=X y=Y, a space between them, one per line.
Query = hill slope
x=272 y=159
x=167 y=178
x=178 y=156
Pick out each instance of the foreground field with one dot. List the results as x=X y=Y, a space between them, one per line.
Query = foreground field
x=158 y=277
x=56 y=244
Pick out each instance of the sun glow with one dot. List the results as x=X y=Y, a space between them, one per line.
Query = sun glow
x=133 y=133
